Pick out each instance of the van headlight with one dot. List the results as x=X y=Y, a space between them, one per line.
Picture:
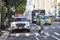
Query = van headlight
x=12 y=24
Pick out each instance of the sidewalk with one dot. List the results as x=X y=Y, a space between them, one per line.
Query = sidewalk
x=4 y=35
x=1 y=33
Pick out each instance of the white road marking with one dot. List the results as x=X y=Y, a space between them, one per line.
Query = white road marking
x=5 y=35
x=37 y=34
x=17 y=35
x=36 y=38
x=45 y=27
x=55 y=37
x=27 y=34
x=47 y=34
x=56 y=33
x=53 y=27
x=22 y=34
x=12 y=34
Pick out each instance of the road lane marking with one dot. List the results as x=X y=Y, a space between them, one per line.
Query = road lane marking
x=37 y=34
x=36 y=37
x=55 y=37
x=17 y=35
x=27 y=34
x=5 y=35
x=22 y=34
x=47 y=34
x=56 y=33
x=53 y=27
x=45 y=27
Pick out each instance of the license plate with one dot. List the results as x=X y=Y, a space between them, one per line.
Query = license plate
x=20 y=27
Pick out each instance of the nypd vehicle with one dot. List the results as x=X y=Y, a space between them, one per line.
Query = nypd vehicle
x=19 y=22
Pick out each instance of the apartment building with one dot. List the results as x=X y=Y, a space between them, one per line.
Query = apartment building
x=50 y=6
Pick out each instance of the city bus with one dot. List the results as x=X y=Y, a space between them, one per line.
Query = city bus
x=37 y=12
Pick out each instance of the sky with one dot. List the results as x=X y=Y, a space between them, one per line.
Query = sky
x=58 y=0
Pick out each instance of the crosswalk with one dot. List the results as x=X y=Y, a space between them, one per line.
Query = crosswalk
x=49 y=32
x=37 y=34
x=54 y=33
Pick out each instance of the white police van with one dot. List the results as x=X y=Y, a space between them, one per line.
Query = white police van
x=19 y=22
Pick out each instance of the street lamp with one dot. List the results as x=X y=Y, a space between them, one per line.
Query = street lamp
x=55 y=11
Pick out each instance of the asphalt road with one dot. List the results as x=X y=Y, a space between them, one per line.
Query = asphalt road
x=51 y=32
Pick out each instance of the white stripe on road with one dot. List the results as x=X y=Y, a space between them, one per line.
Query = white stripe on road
x=55 y=37
x=5 y=35
x=45 y=27
x=27 y=34
x=57 y=33
x=37 y=34
x=22 y=34
x=47 y=34
x=36 y=38
x=53 y=27
x=17 y=35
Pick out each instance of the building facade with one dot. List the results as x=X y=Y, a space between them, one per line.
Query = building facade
x=50 y=6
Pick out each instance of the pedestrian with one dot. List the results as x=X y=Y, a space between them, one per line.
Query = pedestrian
x=41 y=25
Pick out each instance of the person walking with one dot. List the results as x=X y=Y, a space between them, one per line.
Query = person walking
x=40 y=22
x=41 y=25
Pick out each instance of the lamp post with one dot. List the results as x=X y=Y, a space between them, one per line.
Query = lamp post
x=55 y=10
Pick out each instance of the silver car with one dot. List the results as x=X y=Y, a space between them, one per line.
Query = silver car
x=58 y=18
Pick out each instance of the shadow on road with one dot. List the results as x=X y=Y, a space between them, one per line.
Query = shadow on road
x=19 y=31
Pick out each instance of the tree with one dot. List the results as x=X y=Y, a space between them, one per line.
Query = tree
x=20 y=5
x=21 y=8
x=59 y=8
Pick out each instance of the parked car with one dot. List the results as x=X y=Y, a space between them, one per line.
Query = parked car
x=47 y=20
x=58 y=18
x=19 y=23
x=53 y=18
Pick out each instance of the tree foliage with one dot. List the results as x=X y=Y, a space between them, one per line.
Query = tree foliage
x=59 y=8
x=21 y=6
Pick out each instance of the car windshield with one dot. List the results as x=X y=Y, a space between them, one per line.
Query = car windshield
x=41 y=17
x=46 y=17
x=18 y=19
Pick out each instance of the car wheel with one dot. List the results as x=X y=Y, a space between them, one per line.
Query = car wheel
x=38 y=23
x=28 y=30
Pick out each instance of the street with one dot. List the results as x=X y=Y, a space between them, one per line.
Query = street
x=39 y=19
x=51 y=32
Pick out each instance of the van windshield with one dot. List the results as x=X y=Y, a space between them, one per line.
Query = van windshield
x=41 y=17
x=46 y=17
x=18 y=19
